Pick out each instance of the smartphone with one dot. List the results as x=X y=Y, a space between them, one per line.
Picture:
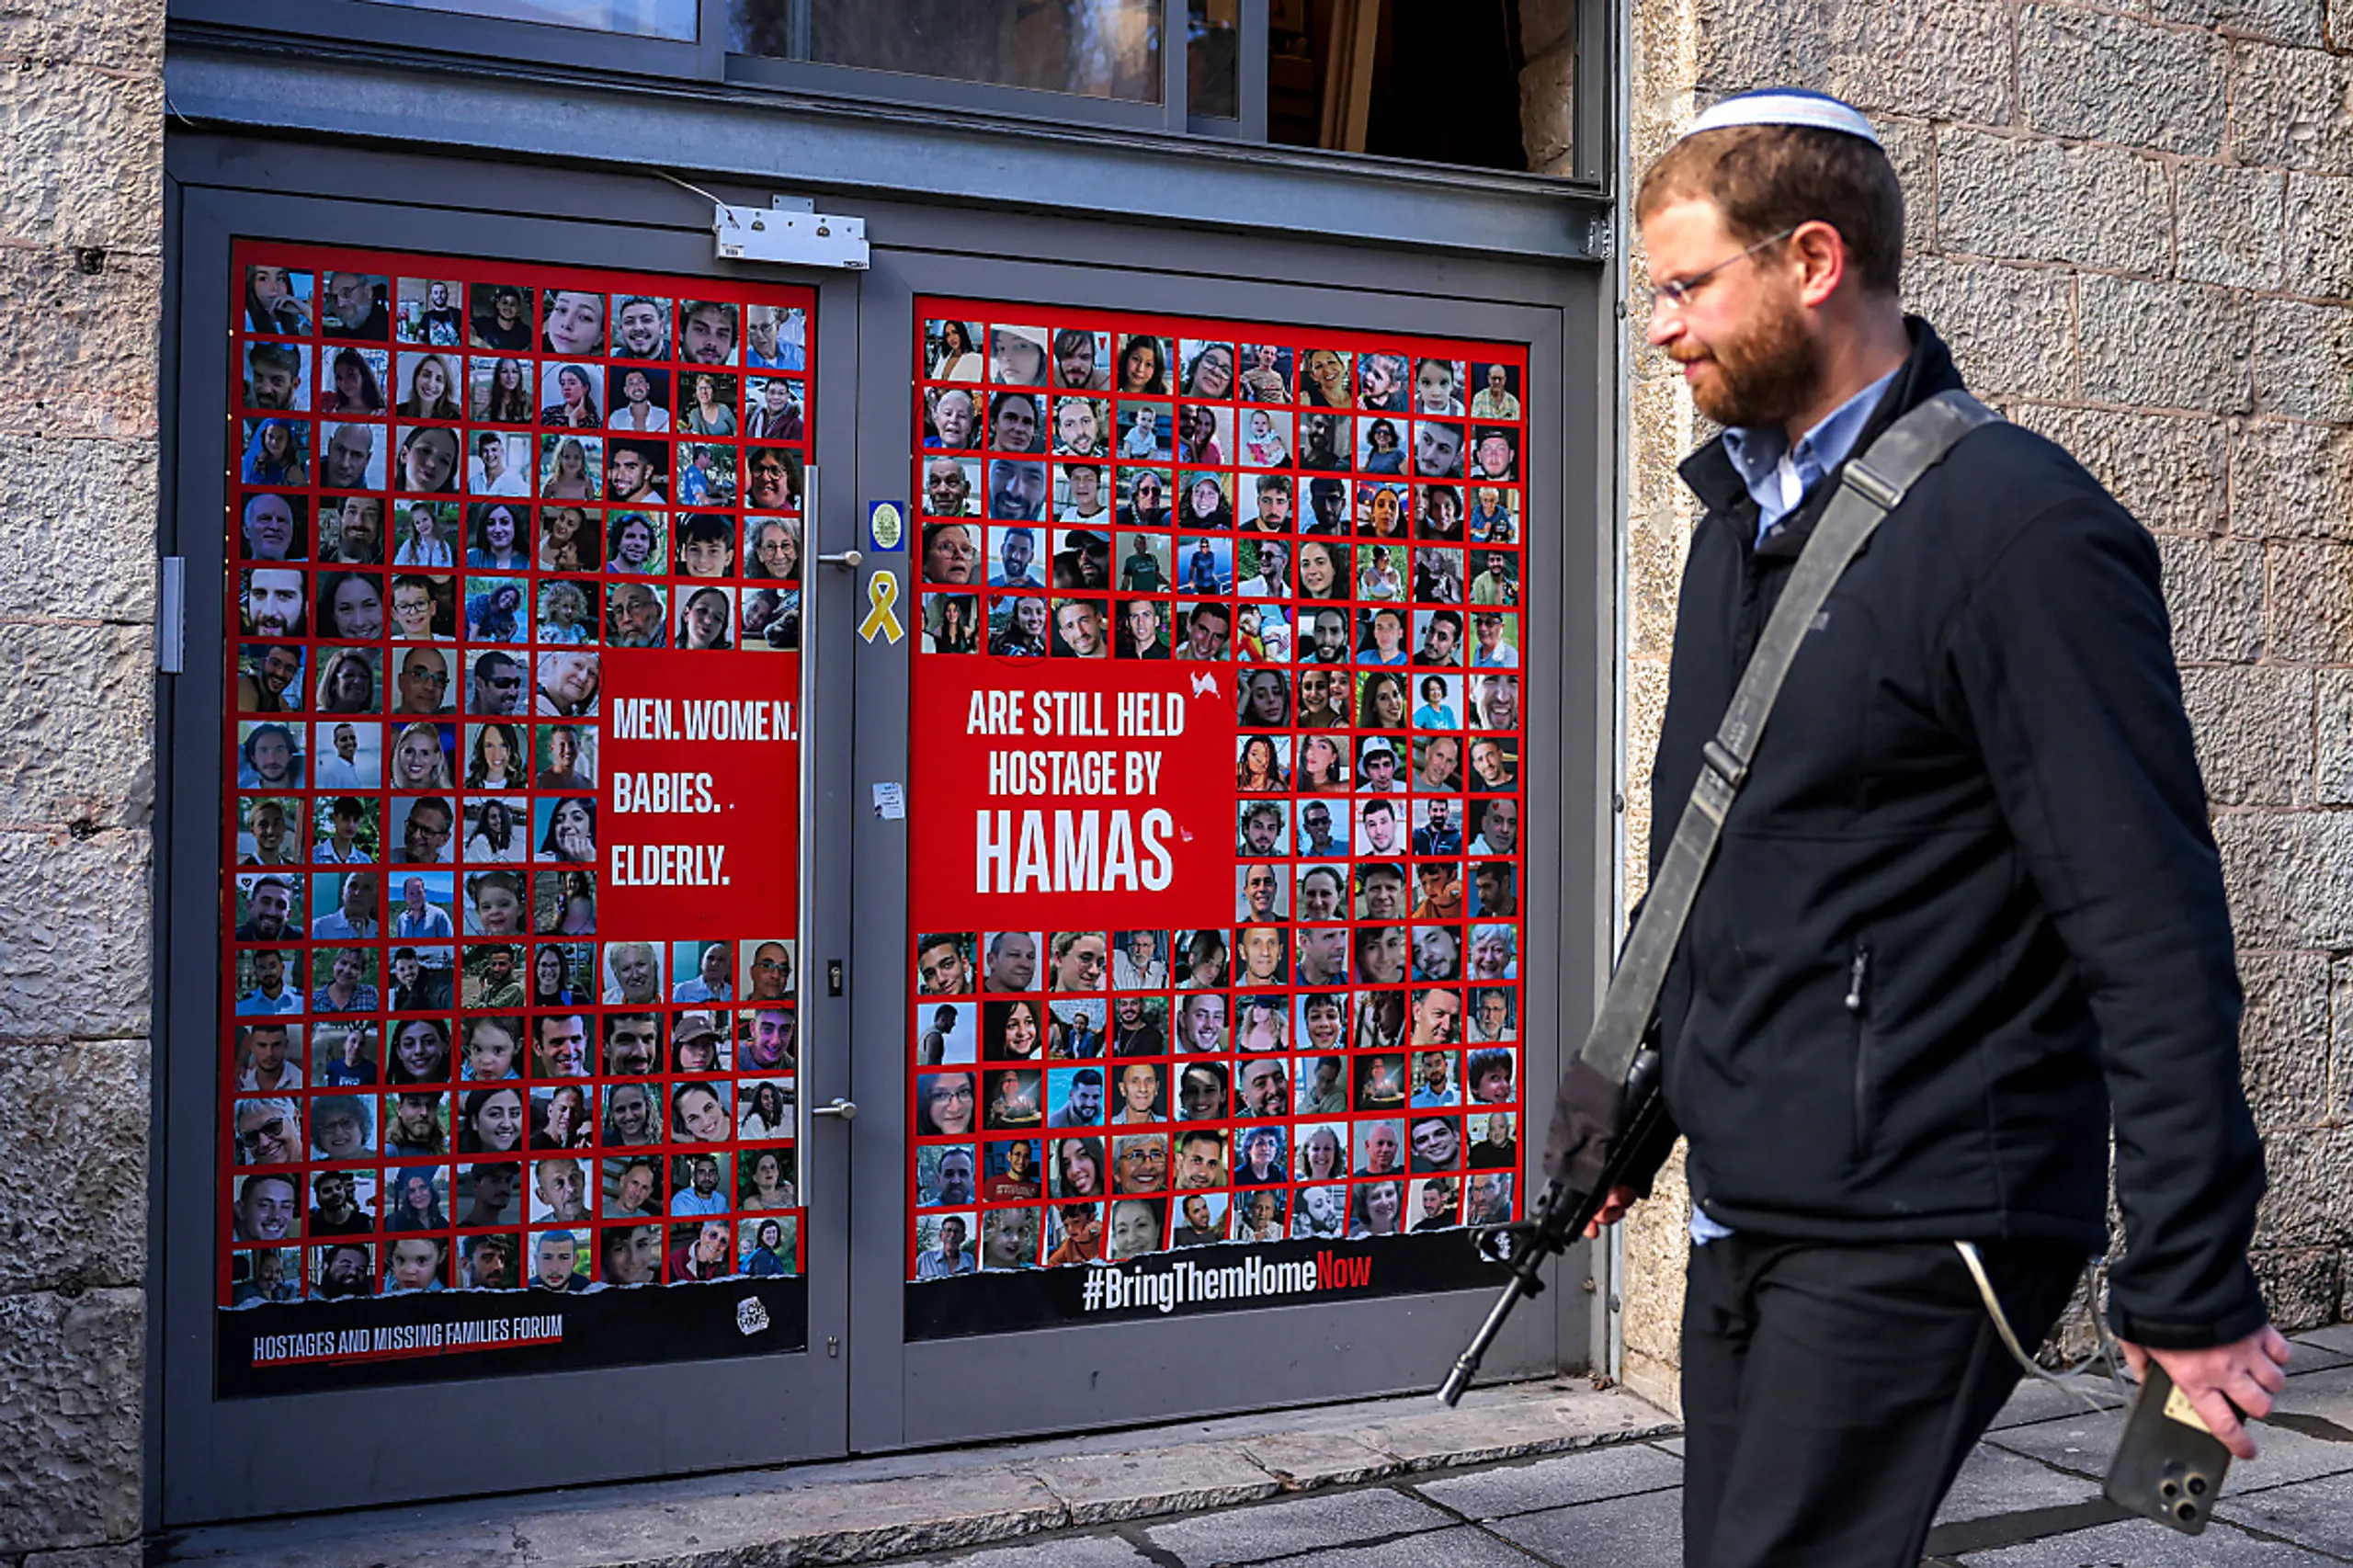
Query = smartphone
x=2168 y=1465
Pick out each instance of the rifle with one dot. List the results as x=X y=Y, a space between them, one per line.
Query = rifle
x=1560 y=1217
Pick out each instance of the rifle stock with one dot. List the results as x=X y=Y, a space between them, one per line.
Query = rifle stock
x=1560 y=1217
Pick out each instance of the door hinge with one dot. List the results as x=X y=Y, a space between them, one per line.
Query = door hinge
x=833 y=1347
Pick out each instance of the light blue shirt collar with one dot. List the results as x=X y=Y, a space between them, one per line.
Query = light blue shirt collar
x=1777 y=474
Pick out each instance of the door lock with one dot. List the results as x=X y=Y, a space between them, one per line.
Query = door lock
x=846 y=1110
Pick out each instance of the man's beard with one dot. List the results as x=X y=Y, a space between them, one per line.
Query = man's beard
x=1763 y=375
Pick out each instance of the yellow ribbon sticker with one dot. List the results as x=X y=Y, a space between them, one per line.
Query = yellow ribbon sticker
x=882 y=617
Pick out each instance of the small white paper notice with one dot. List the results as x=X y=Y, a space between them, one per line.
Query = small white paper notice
x=891 y=802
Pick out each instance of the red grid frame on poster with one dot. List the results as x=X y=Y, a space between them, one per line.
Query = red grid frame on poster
x=1311 y=540
x=508 y=964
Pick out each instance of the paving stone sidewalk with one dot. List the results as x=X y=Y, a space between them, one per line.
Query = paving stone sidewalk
x=1544 y=1473
x=2028 y=1498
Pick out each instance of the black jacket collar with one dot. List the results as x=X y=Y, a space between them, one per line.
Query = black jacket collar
x=1928 y=370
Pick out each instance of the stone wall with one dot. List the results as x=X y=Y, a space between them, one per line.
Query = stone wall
x=81 y=261
x=2133 y=221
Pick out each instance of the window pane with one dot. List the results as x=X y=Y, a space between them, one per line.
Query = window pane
x=1213 y=59
x=1097 y=49
x=640 y=18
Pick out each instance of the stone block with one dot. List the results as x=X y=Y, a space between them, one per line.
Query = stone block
x=1099 y=1489
x=1548 y=106
x=82 y=968
x=124 y=37
x=2082 y=1442
x=98 y=178
x=2334 y=769
x=1641 y=1532
x=2320 y=235
x=2283 y=1037
x=70 y=1390
x=2031 y=1401
x=2310 y=1201
x=2168 y=470
x=2299 y=1284
x=2230 y=224
x=2292 y=107
x=2312 y=601
x=2316 y=1513
x=95 y=372
x=1731 y=47
x=2164 y=344
x=2253 y=727
x=2291 y=480
x=2285 y=21
x=2140 y=1544
x=1055 y=1552
x=1622 y=1469
x=1296 y=1526
x=121 y=1554
x=844 y=1522
x=86 y=543
x=1663 y=513
x=1655 y=1246
x=2214 y=590
x=1993 y=1482
x=73 y=1186
x=1543 y=23
x=1304 y=1460
x=1461 y=1547
x=1509 y=1427
x=2303 y=360
x=2112 y=78
x=2029 y=199
x=2291 y=877
x=1645 y=709
x=1935 y=59
x=76 y=721
x=2011 y=329
x=1910 y=146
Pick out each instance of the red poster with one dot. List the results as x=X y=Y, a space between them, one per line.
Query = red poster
x=510 y=969
x=1095 y=793
x=700 y=759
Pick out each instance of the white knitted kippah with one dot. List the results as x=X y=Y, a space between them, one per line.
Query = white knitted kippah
x=1785 y=106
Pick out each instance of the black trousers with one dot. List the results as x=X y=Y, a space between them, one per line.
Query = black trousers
x=1831 y=1392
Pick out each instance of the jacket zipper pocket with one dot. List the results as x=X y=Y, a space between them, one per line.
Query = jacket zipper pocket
x=1858 y=973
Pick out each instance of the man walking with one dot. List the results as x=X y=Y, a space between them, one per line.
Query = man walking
x=1965 y=907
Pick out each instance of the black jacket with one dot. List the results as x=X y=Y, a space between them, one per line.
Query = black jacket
x=1968 y=896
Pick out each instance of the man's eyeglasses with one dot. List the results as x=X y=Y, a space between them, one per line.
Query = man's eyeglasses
x=1678 y=292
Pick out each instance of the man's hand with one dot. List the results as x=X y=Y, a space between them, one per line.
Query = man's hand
x=2244 y=1373
x=1613 y=1210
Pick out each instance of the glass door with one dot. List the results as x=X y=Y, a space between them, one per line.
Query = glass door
x=1210 y=1002
x=491 y=875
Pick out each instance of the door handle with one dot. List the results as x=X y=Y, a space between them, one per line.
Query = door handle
x=806 y=903
x=843 y=559
x=846 y=1110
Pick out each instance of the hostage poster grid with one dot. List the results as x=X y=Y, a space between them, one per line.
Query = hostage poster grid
x=1216 y=934
x=506 y=1038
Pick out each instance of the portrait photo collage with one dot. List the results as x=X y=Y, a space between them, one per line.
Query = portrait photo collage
x=460 y=490
x=1334 y=520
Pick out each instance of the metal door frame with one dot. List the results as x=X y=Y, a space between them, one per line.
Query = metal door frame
x=912 y=1394
x=883 y=1395
x=213 y=1460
